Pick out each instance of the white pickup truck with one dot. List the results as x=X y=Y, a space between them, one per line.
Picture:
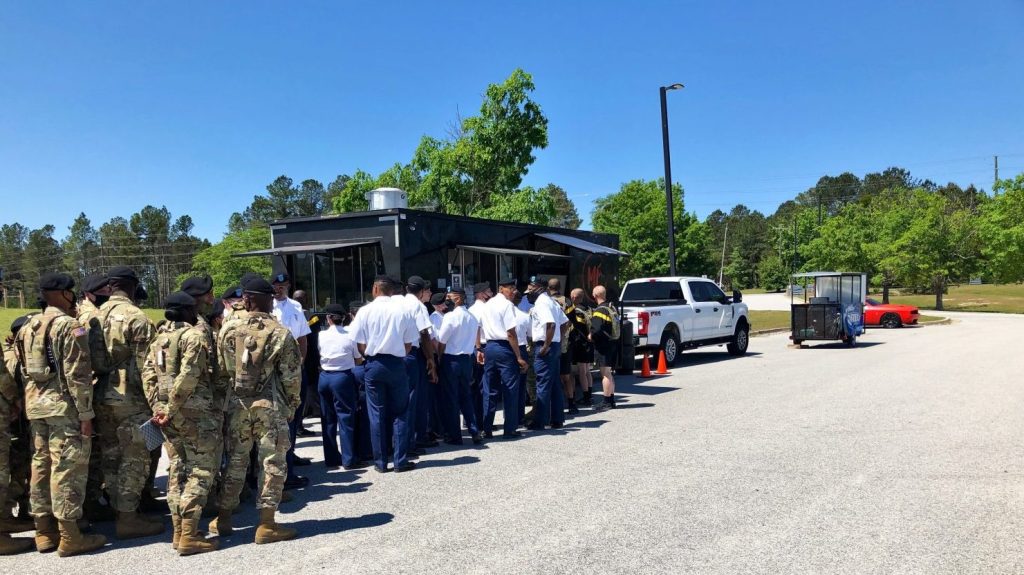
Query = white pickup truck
x=677 y=313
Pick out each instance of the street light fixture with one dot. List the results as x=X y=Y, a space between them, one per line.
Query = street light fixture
x=668 y=178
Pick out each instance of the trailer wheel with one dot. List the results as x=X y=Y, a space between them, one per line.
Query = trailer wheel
x=670 y=345
x=740 y=340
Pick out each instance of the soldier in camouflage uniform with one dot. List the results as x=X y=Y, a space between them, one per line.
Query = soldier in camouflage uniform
x=9 y=400
x=95 y=292
x=260 y=364
x=183 y=394
x=123 y=407
x=19 y=462
x=53 y=349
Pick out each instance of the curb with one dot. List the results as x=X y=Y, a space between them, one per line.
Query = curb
x=758 y=332
x=944 y=321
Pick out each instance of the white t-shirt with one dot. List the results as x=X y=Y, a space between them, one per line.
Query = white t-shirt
x=544 y=311
x=498 y=317
x=458 y=332
x=418 y=312
x=338 y=350
x=522 y=326
x=289 y=313
x=477 y=309
x=384 y=327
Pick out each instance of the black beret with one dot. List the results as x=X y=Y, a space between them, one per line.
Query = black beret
x=280 y=278
x=482 y=286
x=437 y=299
x=538 y=281
x=122 y=273
x=417 y=283
x=259 y=286
x=381 y=278
x=509 y=281
x=335 y=309
x=56 y=282
x=140 y=293
x=18 y=322
x=197 y=285
x=353 y=306
x=247 y=277
x=178 y=300
x=95 y=282
x=458 y=290
x=234 y=292
x=218 y=310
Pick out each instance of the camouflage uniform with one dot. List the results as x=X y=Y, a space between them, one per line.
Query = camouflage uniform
x=8 y=400
x=20 y=455
x=184 y=389
x=122 y=407
x=259 y=415
x=56 y=407
x=87 y=316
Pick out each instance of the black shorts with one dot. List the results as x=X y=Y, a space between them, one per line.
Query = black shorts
x=608 y=359
x=565 y=363
x=583 y=353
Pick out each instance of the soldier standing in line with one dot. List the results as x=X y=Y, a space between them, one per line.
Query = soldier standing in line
x=183 y=395
x=123 y=408
x=96 y=292
x=54 y=354
x=9 y=401
x=20 y=455
x=261 y=363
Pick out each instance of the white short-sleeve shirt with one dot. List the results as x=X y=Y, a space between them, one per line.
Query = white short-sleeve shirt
x=498 y=317
x=418 y=312
x=338 y=350
x=384 y=326
x=458 y=332
x=289 y=313
x=544 y=311
x=522 y=326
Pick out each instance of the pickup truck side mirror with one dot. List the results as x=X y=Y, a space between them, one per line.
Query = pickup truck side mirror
x=737 y=296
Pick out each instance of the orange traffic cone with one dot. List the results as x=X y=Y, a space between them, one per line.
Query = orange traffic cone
x=662 y=364
x=645 y=369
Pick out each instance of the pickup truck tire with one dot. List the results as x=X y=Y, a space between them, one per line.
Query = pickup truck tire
x=670 y=345
x=740 y=340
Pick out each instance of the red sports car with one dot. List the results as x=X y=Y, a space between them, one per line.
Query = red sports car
x=889 y=315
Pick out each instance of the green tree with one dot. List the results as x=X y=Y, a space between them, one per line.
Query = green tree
x=81 y=248
x=283 y=200
x=566 y=216
x=637 y=214
x=1001 y=226
x=773 y=273
x=43 y=254
x=526 y=206
x=352 y=195
x=218 y=261
x=740 y=272
x=488 y=154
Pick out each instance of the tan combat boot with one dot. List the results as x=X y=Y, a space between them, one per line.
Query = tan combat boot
x=269 y=531
x=176 y=526
x=131 y=525
x=192 y=540
x=47 y=536
x=221 y=526
x=10 y=545
x=12 y=525
x=72 y=542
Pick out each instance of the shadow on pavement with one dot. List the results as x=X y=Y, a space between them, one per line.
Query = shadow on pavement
x=621 y=405
x=693 y=358
x=461 y=460
x=841 y=345
x=311 y=527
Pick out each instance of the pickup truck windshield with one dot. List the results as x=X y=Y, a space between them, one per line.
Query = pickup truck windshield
x=652 y=291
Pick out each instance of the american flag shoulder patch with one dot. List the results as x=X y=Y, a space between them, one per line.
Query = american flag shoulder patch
x=79 y=332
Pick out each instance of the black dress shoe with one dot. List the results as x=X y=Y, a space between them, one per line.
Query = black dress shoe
x=453 y=441
x=513 y=435
x=557 y=425
x=379 y=469
x=417 y=451
x=361 y=464
x=533 y=427
x=301 y=461
x=477 y=440
x=425 y=444
x=296 y=481
x=488 y=434
x=303 y=432
x=332 y=466
x=407 y=466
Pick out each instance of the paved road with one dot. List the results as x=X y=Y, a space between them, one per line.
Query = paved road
x=903 y=455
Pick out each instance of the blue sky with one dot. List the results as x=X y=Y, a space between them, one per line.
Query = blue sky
x=108 y=106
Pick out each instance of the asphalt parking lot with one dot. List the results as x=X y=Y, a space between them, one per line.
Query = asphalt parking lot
x=903 y=455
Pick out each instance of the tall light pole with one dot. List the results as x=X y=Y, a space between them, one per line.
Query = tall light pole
x=668 y=179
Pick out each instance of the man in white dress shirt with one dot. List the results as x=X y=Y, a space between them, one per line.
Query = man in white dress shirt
x=483 y=293
x=502 y=360
x=457 y=341
x=547 y=325
x=384 y=334
x=289 y=313
x=338 y=390
x=419 y=365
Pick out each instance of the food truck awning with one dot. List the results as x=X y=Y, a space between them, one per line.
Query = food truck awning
x=305 y=248
x=510 y=251
x=582 y=244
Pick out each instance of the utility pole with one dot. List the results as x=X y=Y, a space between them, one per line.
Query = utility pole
x=725 y=240
x=819 y=208
x=995 y=183
x=792 y=265
x=668 y=178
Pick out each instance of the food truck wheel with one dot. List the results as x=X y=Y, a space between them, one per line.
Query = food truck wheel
x=740 y=340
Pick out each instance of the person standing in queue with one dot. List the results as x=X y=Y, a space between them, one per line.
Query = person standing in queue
x=123 y=408
x=20 y=460
x=522 y=336
x=261 y=365
x=10 y=402
x=419 y=365
x=502 y=360
x=604 y=333
x=289 y=313
x=182 y=392
x=565 y=361
x=338 y=390
x=547 y=324
x=385 y=333
x=482 y=293
x=54 y=354
x=456 y=343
